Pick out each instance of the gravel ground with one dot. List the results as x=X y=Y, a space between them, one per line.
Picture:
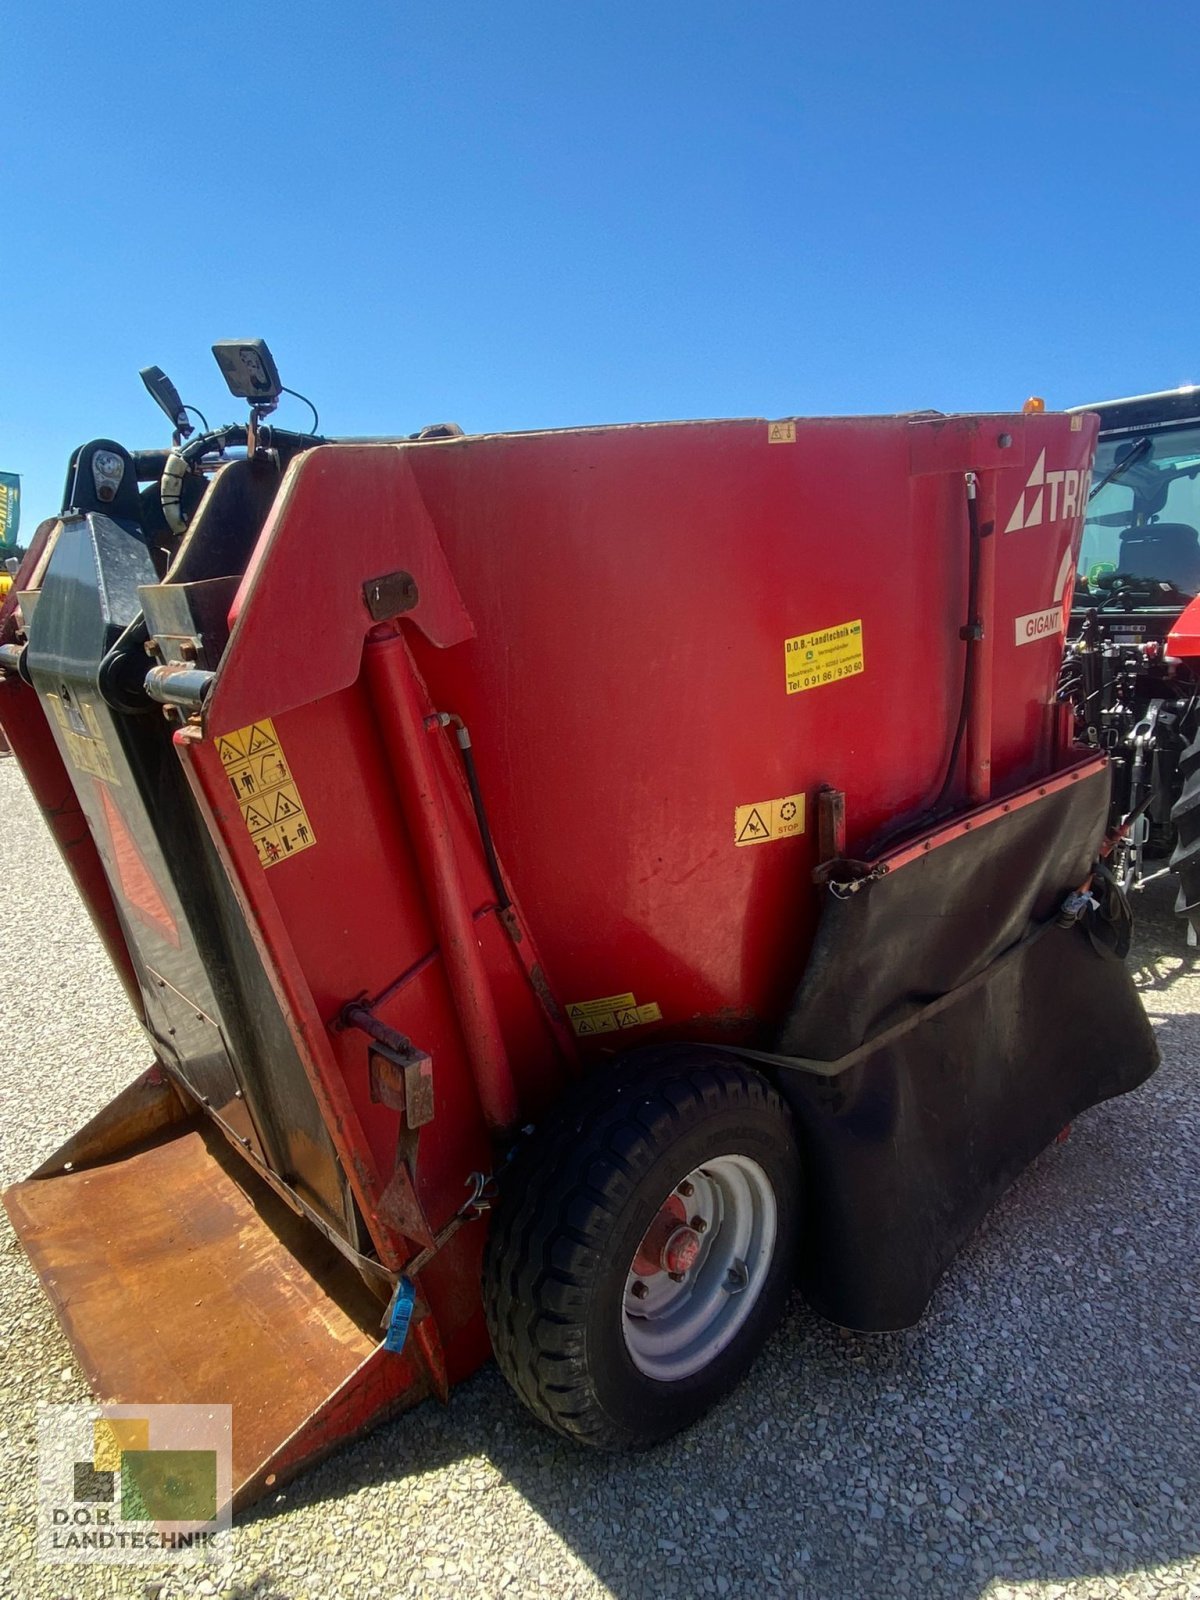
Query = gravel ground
x=1036 y=1435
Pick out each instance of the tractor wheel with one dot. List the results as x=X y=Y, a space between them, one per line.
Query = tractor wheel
x=643 y=1247
x=1185 y=859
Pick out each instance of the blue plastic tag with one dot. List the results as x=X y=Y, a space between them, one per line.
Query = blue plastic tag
x=402 y=1310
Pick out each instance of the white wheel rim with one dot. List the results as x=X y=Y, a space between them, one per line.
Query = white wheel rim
x=675 y=1326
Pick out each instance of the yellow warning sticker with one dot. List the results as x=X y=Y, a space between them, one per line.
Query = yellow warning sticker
x=257 y=772
x=769 y=819
x=610 y=1015
x=781 y=433
x=84 y=738
x=814 y=659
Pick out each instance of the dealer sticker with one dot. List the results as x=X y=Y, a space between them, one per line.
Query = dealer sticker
x=815 y=659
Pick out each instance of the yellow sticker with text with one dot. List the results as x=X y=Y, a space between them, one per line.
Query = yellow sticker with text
x=815 y=659
x=611 y=1014
x=257 y=771
x=84 y=738
x=781 y=433
x=769 y=819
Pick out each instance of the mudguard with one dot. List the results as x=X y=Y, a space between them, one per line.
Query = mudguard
x=947 y=1027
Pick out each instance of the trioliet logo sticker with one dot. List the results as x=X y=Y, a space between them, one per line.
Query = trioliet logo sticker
x=609 y=1015
x=815 y=659
x=769 y=819
x=1049 y=496
x=257 y=772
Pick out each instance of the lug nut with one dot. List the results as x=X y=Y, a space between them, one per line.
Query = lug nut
x=687 y=1189
x=698 y=1224
x=675 y=1277
x=639 y=1291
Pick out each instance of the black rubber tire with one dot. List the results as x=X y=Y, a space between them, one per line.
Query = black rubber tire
x=1185 y=858
x=573 y=1208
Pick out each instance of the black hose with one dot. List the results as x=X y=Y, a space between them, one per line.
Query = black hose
x=503 y=898
x=971 y=634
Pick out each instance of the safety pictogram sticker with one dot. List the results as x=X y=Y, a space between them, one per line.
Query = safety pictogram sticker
x=769 y=819
x=257 y=771
x=611 y=1014
x=827 y=656
x=781 y=433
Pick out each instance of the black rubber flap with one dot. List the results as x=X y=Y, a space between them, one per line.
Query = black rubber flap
x=946 y=1029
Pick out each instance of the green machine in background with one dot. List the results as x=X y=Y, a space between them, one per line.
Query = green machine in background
x=10 y=509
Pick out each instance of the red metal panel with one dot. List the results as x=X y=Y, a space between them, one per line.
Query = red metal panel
x=306 y=638
x=1183 y=640
x=632 y=590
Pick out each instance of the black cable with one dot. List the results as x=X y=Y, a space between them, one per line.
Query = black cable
x=216 y=439
x=481 y=819
x=307 y=402
x=972 y=633
x=198 y=413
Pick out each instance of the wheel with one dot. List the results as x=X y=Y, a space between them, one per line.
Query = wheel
x=643 y=1247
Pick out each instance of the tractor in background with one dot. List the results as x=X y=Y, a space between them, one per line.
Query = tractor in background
x=1131 y=669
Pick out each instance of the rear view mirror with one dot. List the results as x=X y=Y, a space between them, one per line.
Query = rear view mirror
x=164 y=392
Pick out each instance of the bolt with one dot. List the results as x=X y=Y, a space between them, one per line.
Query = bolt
x=687 y=1189
x=699 y=1225
x=639 y=1291
x=675 y=1277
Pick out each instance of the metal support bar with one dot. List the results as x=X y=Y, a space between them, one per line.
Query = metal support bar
x=187 y=687
x=831 y=824
x=397 y=703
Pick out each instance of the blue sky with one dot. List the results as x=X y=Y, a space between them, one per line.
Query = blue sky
x=516 y=215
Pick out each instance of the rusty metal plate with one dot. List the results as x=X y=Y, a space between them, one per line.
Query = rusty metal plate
x=179 y=1279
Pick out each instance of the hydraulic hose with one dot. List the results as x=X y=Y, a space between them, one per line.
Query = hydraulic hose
x=972 y=634
x=183 y=458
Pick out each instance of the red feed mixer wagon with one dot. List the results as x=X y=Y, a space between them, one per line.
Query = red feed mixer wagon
x=575 y=885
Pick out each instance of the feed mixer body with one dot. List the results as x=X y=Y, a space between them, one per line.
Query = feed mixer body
x=418 y=782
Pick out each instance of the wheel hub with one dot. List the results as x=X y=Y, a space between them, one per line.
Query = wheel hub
x=699 y=1267
x=682 y=1248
